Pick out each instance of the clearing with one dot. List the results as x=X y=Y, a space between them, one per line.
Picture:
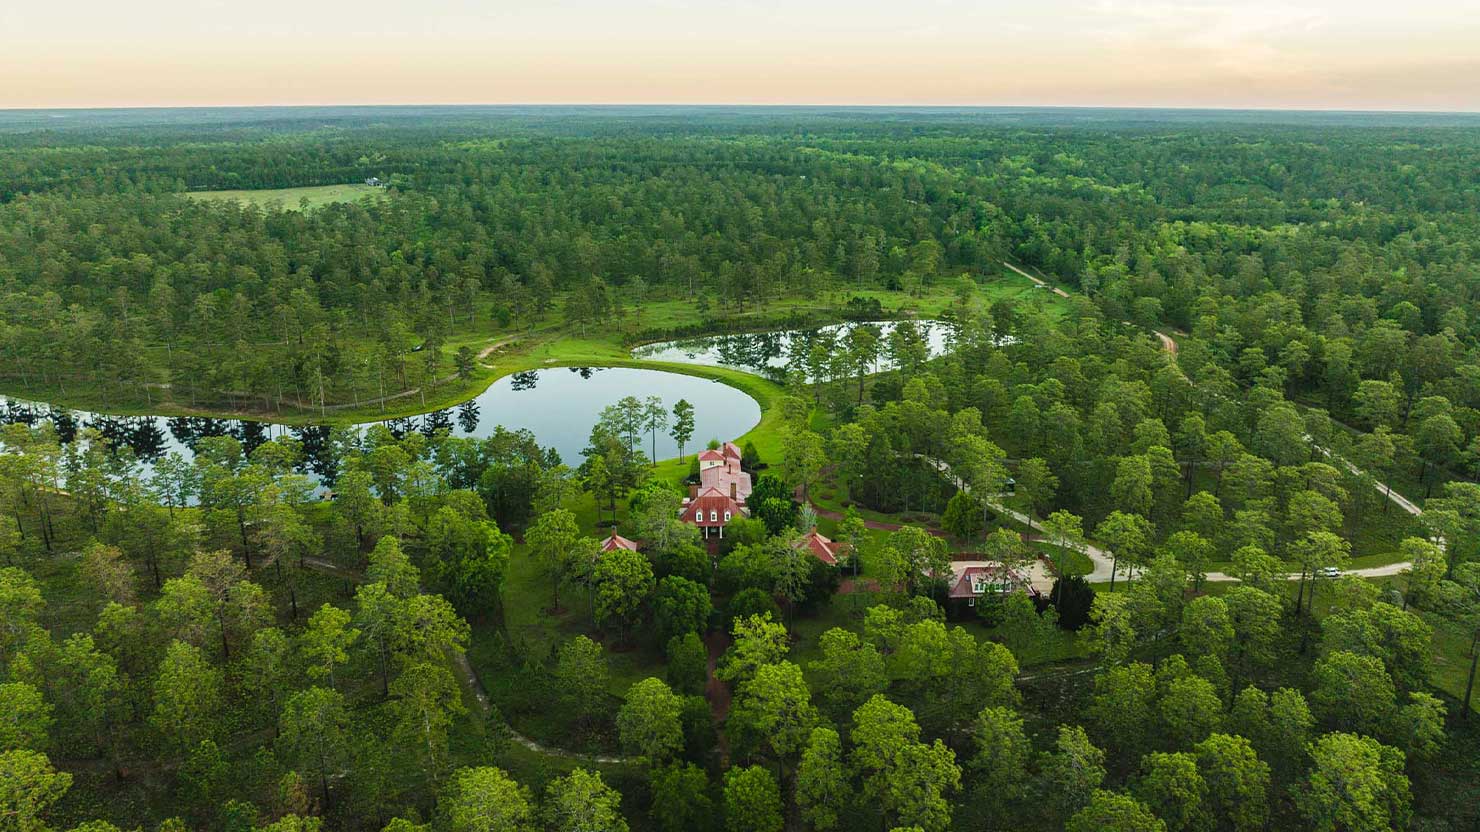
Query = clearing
x=290 y=198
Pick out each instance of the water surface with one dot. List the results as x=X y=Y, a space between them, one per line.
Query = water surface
x=557 y=405
x=771 y=352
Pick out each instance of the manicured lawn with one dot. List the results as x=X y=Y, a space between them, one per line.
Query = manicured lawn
x=291 y=198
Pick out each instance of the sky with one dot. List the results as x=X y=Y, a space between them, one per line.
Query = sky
x=1297 y=54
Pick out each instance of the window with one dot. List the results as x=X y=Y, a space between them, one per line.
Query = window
x=713 y=516
x=727 y=517
x=699 y=516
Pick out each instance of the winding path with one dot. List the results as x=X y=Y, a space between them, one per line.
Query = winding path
x=1102 y=561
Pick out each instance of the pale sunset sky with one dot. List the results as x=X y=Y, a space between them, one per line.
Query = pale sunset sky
x=1316 y=54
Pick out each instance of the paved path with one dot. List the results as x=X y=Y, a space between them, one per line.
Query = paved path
x=1099 y=557
x=1170 y=345
x=1103 y=562
x=1370 y=572
x=470 y=678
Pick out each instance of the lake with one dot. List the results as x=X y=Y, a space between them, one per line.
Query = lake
x=559 y=405
x=769 y=352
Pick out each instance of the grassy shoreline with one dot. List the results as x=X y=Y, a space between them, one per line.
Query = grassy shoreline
x=646 y=322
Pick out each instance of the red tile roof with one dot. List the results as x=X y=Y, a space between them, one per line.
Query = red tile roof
x=821 y=548
x=708 y=509
x=616 y=541
x=711 y=455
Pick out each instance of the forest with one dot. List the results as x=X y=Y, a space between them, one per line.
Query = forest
x=1207 y=415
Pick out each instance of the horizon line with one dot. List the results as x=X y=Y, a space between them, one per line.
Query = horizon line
x=753 y=105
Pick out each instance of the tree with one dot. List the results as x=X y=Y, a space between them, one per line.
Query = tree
x=681 y=801
x=29 y=786
x=1064 y=530
x=752 y=801
x=848 y=673
x=581 y=676
x=773 y=710
x=913 y=559
x=1316 y=551
x=326 y=640
x=1114 y=632
x=390 y=567
x=1421 y=726
x=802 y=458
x=485 y=799
x=1237 y=781
x=822 y=786
x=1207 y=628
x=1399 y=638
x=1356 y=784
x=1114 y=812
x=425 y=702
x=1073 y=771
x=313 y=735
x=1190 y=710
x=680 y=606
x=1123 y=708
x=1172 y=788
x=918 y=791
x=622 y=582
x=554 y=539
x=962 y=517
x=466 y=362
x=1353 y=691
x=758 y=640
x=20 y=610
x=649 y=723
x=1036 y=484
x=683 y=425
x=1128 y=536
x=1001 y=760
x=582 y=802
x=187 y=697
x=1193 y=551
x=1254 y=616
x=109 y=574
x=25 y=717
x=688 y=664
x=1131 y=490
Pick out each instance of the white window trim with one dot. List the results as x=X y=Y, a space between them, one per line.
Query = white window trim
x=727 y=517
x=699 y=516
x=713 y=516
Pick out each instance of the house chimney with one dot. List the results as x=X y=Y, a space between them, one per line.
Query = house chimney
x=693 y=492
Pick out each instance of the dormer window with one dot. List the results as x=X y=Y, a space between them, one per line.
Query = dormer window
x=713 y=516
x=699 y=516
x=727 y=517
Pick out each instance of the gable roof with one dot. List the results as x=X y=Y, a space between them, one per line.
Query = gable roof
x=616 y=541
x=710 y=500
x=711 y=455
x=821 y=548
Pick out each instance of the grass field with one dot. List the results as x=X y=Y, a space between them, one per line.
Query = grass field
x=316 y=196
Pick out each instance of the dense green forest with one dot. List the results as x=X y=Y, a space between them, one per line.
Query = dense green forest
x=1237 y=451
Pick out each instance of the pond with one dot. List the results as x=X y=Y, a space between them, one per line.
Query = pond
x=559 y=405
x=771 y=352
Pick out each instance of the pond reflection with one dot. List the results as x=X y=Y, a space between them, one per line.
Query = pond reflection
x=777 y=352
x=558 y=405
